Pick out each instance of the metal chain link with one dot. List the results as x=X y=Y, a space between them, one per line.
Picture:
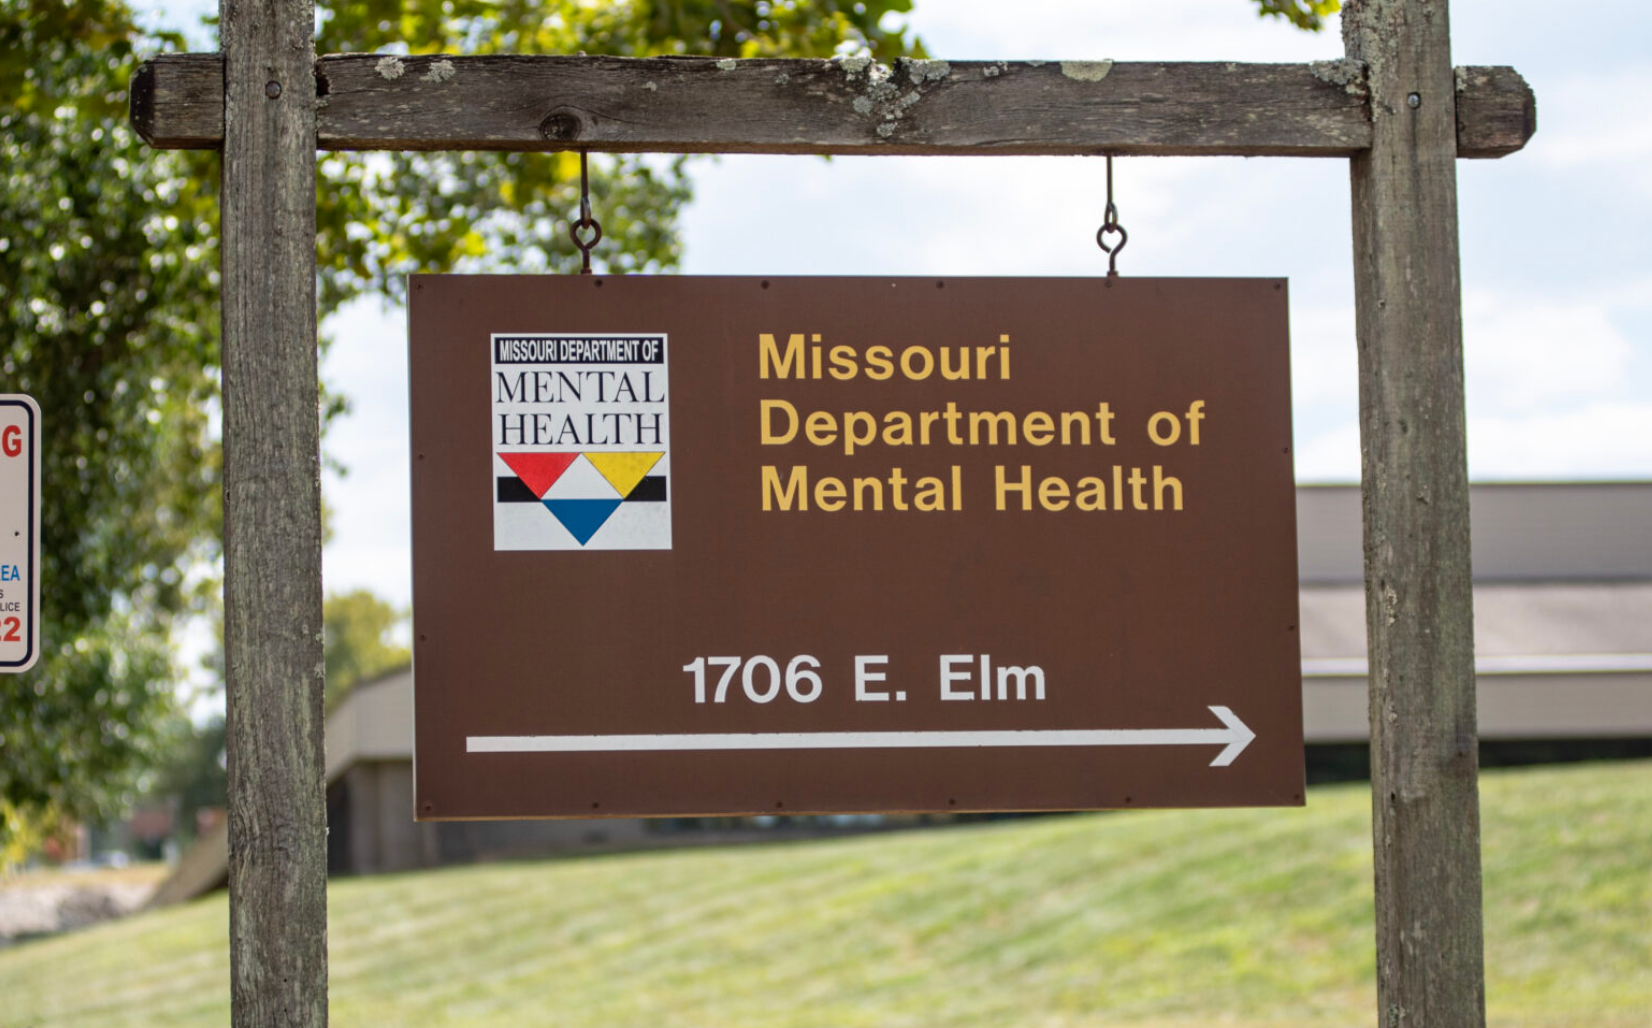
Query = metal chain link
x=586 y=223
x=1110 y=224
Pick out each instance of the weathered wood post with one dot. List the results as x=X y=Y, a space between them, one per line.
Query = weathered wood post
x=272 y=518
x=1418 y=594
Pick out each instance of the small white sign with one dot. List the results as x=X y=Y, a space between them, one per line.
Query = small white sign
x=19 y=532
x=581 y=441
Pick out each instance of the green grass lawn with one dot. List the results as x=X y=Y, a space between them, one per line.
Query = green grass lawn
x=1244 y=918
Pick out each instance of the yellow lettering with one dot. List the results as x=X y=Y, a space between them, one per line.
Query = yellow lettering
x=1104 y=423
x=796 y=489
x=876 y=486
x=859 y=428
x=897 y=428
x=1024 y=486
x=1161 y=482
x=931 y=494
x=1037 y=428
x=1137 y=480
x=991 y=419
x=1052 y=493
x=769 y=436
x=1070 y=420
x=1092 y=494
x=906 y=362
x=926 y=419
x=1168 y=436
x=821 y=428
x=829 y=493
x=843 y=363
x=768 y=355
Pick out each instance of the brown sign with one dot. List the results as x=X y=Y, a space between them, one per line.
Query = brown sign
x=737 y=546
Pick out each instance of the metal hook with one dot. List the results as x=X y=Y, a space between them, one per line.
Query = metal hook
x=1110 y=223
x=585 y=222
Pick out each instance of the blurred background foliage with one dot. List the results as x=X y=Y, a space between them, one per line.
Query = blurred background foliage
x=360 y=641
x=109 y=317
x=1309 y=15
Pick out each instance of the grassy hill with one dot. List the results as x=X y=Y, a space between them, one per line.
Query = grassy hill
x=1245 y=918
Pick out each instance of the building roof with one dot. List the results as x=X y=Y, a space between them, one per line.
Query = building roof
x=373 y=722
x=1542 y=623
x=1573 y=531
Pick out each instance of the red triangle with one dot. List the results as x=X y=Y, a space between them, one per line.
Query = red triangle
x=538 y=471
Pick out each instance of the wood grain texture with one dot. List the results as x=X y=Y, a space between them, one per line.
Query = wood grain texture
x=272 y=519
x=700 y=105
x=1419 y=605
x=1496 y=112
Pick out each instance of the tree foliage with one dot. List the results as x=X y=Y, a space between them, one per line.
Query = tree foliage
x=108 y=308
x=1308 y=15
x=193 y=773
x=108 y=318
x=482 y=211
x=359 y=643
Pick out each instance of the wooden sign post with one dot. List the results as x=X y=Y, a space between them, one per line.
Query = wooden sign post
x=1394 y=107
x=272 y=518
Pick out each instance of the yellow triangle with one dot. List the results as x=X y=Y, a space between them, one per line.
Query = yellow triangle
x=624 y=470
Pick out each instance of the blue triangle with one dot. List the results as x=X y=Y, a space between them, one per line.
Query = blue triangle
x=582 y=517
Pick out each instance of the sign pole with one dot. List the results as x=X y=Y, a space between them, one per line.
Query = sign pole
x=272 y=518
x=1418 y=593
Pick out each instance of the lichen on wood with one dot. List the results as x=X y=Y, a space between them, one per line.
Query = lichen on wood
x=1086 y=71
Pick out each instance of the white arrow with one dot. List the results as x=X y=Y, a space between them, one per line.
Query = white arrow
x=1234 y=737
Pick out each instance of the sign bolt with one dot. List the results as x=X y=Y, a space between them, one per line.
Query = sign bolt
x=1414 y=101
x=272 y=89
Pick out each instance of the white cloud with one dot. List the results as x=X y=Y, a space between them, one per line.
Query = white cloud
x=369 y=507
x=1212 y=30
x=1605 y=440
x=1611 y=439
x=1324 y=358
x=1329 y=456
x=1585 y=123
x=1521 y=352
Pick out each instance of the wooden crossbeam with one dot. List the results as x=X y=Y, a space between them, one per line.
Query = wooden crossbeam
x=704 y=105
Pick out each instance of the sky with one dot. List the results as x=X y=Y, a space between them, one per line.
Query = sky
x=1556 y=243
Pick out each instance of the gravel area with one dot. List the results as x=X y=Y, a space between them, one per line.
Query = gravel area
x=28 y=910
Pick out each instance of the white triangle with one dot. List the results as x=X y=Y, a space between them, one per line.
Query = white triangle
x=582 y=481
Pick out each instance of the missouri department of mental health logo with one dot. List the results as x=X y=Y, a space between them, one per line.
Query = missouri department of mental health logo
x=581 y=442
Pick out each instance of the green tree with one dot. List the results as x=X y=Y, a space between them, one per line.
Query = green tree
x=359 y=640
x=481 y=211
x=1309 y=15
x=193 y=771
x=107 y=317
x=108 y=284
x=108 y=310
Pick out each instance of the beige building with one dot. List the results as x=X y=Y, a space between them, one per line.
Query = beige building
x=1562 y=612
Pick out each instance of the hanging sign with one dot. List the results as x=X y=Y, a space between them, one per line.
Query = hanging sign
x=19 y=532
x=736 y=546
